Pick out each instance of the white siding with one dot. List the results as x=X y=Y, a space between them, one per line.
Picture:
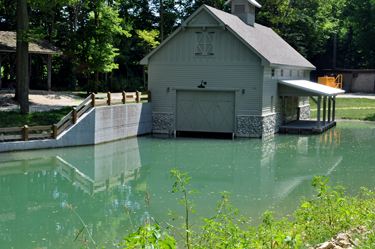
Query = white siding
x=270 y=86
x=217 y=75
x=226 y=46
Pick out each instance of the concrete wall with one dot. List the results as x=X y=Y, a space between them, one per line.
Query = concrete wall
x=98 y=125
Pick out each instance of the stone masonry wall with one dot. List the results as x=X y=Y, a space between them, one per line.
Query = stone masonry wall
x=258 y=126
x=162 y=122
x=304 y=112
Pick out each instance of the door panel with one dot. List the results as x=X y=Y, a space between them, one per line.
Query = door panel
x=205 y=111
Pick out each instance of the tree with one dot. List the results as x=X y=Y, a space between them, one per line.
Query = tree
x=22 y=72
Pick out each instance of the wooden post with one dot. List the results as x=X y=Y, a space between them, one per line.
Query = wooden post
x=93 y=99
x=25 y=133
x=109 y=98
x=318 y=117
x=149 y=96
x=54 y=131
x=123 y=97
x=329 y=109
x=333 y=107
x=49 y=71
x=74 y=115
x=324 y=109
x=137 y=97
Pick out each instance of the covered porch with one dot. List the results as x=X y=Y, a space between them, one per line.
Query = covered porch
x=323 y=96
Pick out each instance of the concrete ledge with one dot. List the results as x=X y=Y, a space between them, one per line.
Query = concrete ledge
x=97 y=125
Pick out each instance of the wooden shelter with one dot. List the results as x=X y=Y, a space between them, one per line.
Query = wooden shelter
x=222 y=72
x=8 y=48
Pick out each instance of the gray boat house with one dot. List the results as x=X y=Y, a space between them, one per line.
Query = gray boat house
x=222 y=72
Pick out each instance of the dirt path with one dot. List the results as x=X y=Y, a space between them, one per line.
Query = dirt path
x=40 y=101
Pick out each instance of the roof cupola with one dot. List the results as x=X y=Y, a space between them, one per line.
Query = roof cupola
x=244 y=9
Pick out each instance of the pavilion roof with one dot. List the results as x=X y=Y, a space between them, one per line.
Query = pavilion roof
x=8 y=43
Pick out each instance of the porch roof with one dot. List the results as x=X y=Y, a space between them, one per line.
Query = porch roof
x=305 y=88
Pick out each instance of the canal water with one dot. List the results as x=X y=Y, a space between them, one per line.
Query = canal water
x=262 y=175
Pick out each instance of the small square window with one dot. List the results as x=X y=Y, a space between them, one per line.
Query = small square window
x=273 y=72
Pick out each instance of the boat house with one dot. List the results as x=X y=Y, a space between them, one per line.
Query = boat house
x=222 y=72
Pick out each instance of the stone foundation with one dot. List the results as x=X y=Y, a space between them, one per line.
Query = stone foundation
x=162 y=122
x=258 y=126
x=304 y=112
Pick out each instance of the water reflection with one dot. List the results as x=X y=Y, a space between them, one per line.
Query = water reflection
x=262 y=175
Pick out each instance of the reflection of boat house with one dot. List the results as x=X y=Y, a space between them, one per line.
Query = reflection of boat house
x=44 y=49
x=221 y=72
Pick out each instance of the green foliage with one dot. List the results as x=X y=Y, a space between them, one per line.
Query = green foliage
x=316 y=221
x=149 y=236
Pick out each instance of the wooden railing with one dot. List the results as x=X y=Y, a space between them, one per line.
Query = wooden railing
x=72 y=117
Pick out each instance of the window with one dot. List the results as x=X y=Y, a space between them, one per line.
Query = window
x=205 y=43
x=282 y=72
x=271 y=104
x=290 y=73
x=239 y=8
x=273 y=73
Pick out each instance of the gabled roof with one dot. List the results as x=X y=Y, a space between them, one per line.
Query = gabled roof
x=253 y=2
x=8 y=43
x=263 y=41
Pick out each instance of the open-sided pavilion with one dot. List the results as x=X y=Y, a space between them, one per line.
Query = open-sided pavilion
x=320 y=94
x=8 y=48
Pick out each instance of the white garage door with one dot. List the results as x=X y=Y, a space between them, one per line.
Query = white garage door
x=205 y=111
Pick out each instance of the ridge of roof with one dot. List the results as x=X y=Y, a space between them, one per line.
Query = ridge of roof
x=264 y=40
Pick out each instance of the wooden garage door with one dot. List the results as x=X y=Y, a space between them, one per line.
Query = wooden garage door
x=205 y=111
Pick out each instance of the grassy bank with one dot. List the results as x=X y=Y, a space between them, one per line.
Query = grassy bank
x=350 y=108
x=16 y=119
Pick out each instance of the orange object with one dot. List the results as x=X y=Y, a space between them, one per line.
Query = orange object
x=331 y=81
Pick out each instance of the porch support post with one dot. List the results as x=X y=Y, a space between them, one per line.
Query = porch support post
x=329 y=108
x=324 y=109
x=318 y=117
x=333 y=107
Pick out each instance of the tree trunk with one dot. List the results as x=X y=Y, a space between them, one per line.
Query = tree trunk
x=22 y=55
x=161 y=21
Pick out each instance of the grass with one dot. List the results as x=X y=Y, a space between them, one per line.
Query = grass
x=350 y=108
x=16 y=119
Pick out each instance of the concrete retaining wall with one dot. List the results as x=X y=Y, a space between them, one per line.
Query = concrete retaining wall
x=98 y=125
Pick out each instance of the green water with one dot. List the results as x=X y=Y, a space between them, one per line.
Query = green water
x=269 y=174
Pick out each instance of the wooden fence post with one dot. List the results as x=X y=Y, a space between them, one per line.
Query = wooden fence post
x=123 y=97
x=109 y=98
x=137 y=97
x=93 y=99
x=149 y=96
x=54 y=131
x=25 y=133
x=74 y=115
